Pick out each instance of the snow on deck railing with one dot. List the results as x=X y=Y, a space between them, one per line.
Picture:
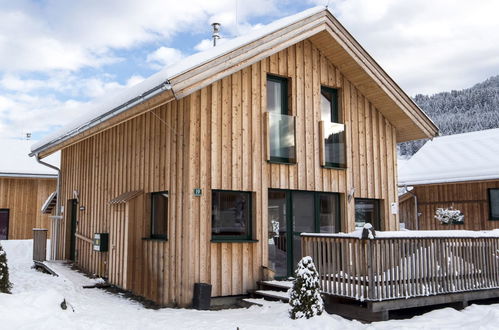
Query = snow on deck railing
x=413 y=234
x=404 y=264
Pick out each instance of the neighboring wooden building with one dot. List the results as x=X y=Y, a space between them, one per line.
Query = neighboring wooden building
x=459 y=171
x=202 y=177
x=24 y=187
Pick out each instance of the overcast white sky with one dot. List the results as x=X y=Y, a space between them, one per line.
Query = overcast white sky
x=56 y=55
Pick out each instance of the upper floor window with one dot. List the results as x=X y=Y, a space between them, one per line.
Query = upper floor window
x=333 y=129
x=367 y=211
x=159 y=214
x=494 y=204
x=231 y=215
x=280 y=123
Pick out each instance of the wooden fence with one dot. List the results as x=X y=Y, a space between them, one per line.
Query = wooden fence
x=403 y=267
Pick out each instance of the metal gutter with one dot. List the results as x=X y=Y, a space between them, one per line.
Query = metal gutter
x=28 y=175
x=105 y=116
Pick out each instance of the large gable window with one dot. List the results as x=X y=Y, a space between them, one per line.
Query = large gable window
x=280 y=124
x=231 y=215
x=332 y=130
x=494 y=204
x=159 y=214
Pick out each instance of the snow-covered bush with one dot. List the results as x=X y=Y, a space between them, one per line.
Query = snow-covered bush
x=305 y=297
x=4 y=272
x=448 y=216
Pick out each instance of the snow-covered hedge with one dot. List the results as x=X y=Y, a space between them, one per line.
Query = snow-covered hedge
x=449 y=216
x=4 y=272
x=305 y=297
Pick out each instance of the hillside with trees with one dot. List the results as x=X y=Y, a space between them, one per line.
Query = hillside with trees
x=467 y=110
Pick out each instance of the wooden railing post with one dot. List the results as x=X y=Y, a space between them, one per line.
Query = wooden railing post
x=370 y=269
x=39 y=244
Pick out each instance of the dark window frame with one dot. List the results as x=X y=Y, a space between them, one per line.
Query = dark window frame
x=6 y=210
x=378 y=208
x=489 y=200
x=336 y=117
x=285 y=110
x=155 y=236
x=234 y=238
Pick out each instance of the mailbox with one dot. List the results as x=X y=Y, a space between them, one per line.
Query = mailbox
x=101 y=242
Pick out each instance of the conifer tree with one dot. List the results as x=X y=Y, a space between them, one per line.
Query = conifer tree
x=4 y=272
x=305 y=298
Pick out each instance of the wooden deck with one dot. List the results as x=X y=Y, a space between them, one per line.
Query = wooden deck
x=388 y=273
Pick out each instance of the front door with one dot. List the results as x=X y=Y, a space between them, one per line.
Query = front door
x=291 y=213
x=4 y=224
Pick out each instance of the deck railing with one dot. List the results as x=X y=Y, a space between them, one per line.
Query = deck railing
x=387 y=267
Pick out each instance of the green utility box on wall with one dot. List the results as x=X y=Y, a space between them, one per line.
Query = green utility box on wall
x=101 y=242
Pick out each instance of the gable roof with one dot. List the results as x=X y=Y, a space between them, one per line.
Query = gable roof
x=204 y=68
x=14 y=160
x=454 y=158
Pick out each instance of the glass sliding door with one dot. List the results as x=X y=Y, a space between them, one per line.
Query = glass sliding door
x=303 y=221
x=277 y=231
x=291 y=213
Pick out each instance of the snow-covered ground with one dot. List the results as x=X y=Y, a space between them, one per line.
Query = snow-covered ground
x=35 y=304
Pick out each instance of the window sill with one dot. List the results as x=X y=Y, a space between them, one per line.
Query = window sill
x=216 y=240
x=154 y=239
x=280 y=162
x=334 y=167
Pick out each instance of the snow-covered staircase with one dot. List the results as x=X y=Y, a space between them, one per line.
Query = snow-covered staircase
x=272 y=290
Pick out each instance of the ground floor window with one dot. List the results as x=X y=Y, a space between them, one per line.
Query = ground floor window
x=367 y=211
x=159 y=215
x=4 y=224
x=231 y=215
x=494 y=204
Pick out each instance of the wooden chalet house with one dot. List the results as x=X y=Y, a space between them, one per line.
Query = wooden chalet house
x=209 y=170
x=24 y=187
x=457 y=171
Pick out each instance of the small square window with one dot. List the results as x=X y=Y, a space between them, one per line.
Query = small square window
x=159 y=214
x=367 y=211
x=231 y=215
x=494 y=204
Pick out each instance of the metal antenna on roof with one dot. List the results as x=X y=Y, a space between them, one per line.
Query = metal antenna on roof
x=216 y=33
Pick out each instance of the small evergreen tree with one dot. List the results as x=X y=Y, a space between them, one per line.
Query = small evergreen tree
x=4 y=272
x=305 y=297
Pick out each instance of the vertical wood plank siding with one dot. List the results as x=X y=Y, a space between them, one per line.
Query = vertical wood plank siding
x=24 y=198
x=214 y=139
x=471 y=198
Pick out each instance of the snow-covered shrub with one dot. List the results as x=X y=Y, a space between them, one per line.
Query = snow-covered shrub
x=305 y=297
x=448 y=216
x=4 y=272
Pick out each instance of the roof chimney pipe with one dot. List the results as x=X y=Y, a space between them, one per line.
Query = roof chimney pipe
x=216 y=33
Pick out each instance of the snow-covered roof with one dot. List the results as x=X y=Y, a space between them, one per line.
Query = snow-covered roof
x=15 y=162
x=205 y=67
x=100 y=107
x=461 y=157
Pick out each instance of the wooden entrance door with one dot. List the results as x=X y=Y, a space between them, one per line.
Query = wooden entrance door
x=4 y=224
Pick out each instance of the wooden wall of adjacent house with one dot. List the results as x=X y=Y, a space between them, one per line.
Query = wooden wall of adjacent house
x=214 y=139
x=469 y=197
x=24 y=198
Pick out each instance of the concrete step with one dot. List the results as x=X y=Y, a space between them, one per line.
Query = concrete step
x=272 y=295
x=275 y=285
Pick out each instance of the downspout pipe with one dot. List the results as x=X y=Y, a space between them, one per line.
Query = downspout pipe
x=58 y=214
